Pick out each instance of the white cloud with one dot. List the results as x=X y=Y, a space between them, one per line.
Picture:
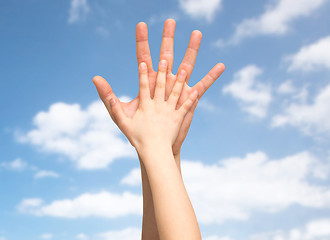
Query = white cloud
x=103 y=204
x=286 y=88
x=78 y=10
x=82 y=236
x=88 y=137
x=208 y=106
x=46 y=236
x=125 y=234
x=103 y=31
x=46 y=174
x=133 y=178
x=2 y=238
x=253 y=95
x=30 y=203
x=201 y=9
x=312 y=57
x=314 y=230
x=310 y=118
x=235 y=187
x=275 y=20
x=17 y=165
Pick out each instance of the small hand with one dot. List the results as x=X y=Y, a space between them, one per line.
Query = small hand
x=156 y=119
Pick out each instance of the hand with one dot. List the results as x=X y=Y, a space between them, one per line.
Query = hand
x=156 y=120
x=166 y=53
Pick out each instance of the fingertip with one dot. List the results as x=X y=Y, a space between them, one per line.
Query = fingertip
x=143 y=67
x=182 y=73
x=194 y=94
x=221 y=66
x=170 y=21
x=195 y=39
x=197 y=33
x=141 y=25
x=141 y=31
x=169 y=28
x=97 y=78
x=100 y=82
x=162 y=65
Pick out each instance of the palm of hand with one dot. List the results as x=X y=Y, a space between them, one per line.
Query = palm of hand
x=155 y=119
x=143 y=55
x=131 y=107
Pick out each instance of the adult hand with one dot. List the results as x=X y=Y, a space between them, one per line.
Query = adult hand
x=166 y=53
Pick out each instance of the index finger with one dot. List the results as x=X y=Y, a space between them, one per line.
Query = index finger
x=189 y=59
x=209 y=79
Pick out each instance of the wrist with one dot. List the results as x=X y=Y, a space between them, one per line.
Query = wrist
x=152 y=146
x=154 y=152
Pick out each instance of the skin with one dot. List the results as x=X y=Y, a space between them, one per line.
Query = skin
x=149 y=226
x=152 y=130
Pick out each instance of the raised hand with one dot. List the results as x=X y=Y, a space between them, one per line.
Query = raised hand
x=166 y=53
x=156 y=119
x=125 y=112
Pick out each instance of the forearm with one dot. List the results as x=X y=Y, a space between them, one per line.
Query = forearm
x=149 y=225
x=173 y=210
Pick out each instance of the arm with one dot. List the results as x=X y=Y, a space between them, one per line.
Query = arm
x=149 y=225
x=152 y=130
x=174 y=213
x=149 y=228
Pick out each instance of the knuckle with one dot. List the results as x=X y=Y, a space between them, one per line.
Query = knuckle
x=144 y=57
x=176 y=94
x=160 y=84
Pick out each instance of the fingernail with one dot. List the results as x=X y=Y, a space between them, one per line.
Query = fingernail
x=143 y=66
x=162 y=63
x=182 y=73
x=112 y=102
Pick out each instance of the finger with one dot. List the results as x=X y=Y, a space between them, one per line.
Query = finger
x=189 y=59
x=144 y=83
x=161 y=81
x=142 y=45
x=166 y=49
x=209 y=79
x=118 y=112
x=177 y=89
x=184 y=128
x=188 y=104
x=106 y=94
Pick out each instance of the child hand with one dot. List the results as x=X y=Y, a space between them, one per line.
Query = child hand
x=156 y=121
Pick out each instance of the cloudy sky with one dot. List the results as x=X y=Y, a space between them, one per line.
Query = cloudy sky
x=256 y=162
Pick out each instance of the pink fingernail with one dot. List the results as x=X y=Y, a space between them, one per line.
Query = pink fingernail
x=182 y=73
x=143 y=66
x=163 y=63
x=112 y=102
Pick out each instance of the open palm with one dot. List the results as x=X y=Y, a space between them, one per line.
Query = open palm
x=166 y=53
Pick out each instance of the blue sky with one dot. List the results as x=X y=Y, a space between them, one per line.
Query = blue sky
x=256 y=161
